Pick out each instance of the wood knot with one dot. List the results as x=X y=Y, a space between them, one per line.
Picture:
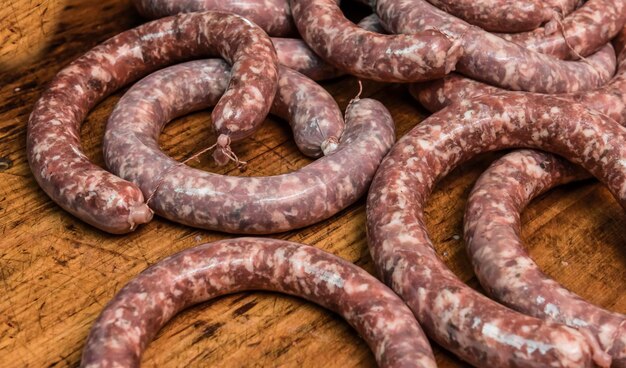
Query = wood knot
x=5 y=163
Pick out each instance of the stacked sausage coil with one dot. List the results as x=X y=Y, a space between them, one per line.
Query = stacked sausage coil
x=53 y=145
x=256 y=205
x=546 y=80
x=475 y=328
x=504 y=268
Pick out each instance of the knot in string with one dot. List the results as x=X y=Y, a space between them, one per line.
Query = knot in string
x=223 y=147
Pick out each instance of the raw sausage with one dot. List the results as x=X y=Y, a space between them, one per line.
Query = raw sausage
x=53 y=140
x=438 y=94
x=387 y=58
x=240 y=204
x=463 y=321
x=610 y=99
x=128 y=322
x=508 y=16
x=492 y=218
x=315 y=118
x=295 y=54
x=274 y=16
x=488 y=57
x=585 y=31
x=492 y=228
x=313 y=114
x=250 y=205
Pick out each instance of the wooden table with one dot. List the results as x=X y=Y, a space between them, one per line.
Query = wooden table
x=57 y=273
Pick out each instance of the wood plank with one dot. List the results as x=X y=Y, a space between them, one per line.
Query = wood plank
x=56 y=273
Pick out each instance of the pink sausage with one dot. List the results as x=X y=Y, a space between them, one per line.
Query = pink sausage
x=610 y=99
x=489 y=58
x=586 y=30
x=273 y=16
x=508 y=16
x=131 y=320
x=473 y=327
x=250 y=205
x=53 y=141
x=388 y=58
x=295 y=54
x=438 y=94
x=492 y=228
x=314 y=116
x=499 y=194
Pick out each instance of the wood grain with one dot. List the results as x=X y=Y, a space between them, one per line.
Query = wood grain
x=57 y=273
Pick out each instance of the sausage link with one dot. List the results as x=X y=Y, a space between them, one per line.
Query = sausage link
x=53 y=140
x=609 y=100
x=490 y=58
x=138 y=311
x=492 y=228
x=251 y=205
x=295 y=54
x=313 y=114
x=440 y=93
x=509 y=16
x=586 y=30
x=388 y=58
x=317 y=126
x=273 y=16
x=503 y=192
x=463 y=321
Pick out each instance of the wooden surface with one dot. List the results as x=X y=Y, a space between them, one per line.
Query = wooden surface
x=57 y=273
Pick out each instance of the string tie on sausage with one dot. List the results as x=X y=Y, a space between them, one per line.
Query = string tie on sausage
x=224 y=151
x=554 y=15
x=571 y=48
x=354 y=100
x=456 y=47
x=223 y=145
x=330 y=144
